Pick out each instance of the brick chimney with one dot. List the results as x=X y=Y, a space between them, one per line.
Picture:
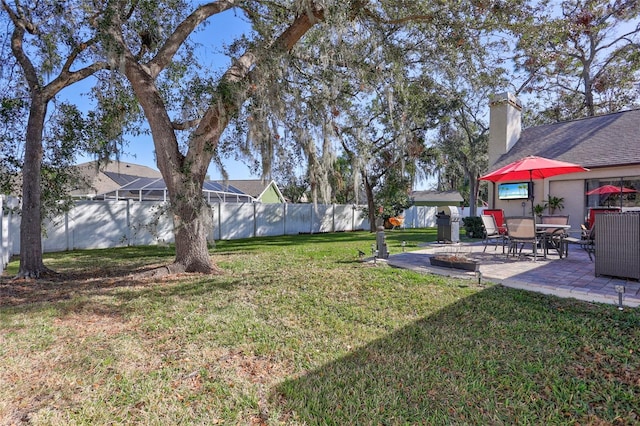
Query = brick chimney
x=505 y=124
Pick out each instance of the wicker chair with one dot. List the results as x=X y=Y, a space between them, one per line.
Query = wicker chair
x=618 y=245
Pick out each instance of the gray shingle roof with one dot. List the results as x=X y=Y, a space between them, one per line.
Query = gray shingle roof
x=602 y=141
x=108 y=177
x=436 y=196
x=253 y=187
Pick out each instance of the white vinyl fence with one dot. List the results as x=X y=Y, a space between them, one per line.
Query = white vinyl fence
x=104 y=224
x=6 y=248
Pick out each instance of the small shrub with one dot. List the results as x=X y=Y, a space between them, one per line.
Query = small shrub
x=473 y=226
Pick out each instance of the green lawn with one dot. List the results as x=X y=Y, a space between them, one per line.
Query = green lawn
x=299 y=331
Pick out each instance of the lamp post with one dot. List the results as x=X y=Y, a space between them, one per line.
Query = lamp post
x=381 y=243
x=620 y=289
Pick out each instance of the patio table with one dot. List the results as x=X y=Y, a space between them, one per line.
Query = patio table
x=549 y=230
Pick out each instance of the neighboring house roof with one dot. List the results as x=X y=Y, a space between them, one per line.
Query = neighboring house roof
x=134 y=181
x=156 y=188
x=104 y=178
x=255 y=187
x=601 y=141
x=442 y=197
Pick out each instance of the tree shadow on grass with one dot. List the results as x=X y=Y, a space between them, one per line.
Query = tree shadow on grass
x=123 y=284
x=474 y=362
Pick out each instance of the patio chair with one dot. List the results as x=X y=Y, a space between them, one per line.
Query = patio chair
x=498 y=215
x=586 y=241
x=521 y=231
x=554 y=238
x=491 y=233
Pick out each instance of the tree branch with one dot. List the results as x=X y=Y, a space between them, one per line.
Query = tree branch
x=184 y=29
x=217 y=116
x=17 y=37
x=189 y=124
x=67 y=78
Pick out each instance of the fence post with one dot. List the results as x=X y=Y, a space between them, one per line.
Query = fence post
x=284 y=218
x=333 y=217
x=311 y=221
x=255 y=221
x=2 y=245
x=66 y=230
x=212 y=236
x=129 y=222
x=219 y=220
x=353 y=217
x=415 y=216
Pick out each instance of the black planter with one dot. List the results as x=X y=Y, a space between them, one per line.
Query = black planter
x=466 y=265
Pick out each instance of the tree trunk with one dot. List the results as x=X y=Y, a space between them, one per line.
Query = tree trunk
x=192 y=221
x=31 y=265
x=473 y=194
x=588 y=92
x=183 y=175
x=370 y=202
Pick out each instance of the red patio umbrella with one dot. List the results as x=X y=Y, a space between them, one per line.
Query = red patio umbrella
x=610 y=189
x=532 y=167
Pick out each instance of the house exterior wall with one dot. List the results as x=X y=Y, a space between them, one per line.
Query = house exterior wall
x=571 y=187
x=514 y=207
x=270 y=196
x=574 y=206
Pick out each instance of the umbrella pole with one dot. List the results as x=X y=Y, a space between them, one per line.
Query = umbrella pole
x=533 y=210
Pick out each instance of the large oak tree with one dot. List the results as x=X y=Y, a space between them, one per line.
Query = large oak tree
x=52 y=47
x=143 y=54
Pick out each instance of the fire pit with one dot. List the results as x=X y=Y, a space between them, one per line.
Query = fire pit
x=455 y=261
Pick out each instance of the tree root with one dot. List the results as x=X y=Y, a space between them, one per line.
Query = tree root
x=40 y=273
x=175 y=269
